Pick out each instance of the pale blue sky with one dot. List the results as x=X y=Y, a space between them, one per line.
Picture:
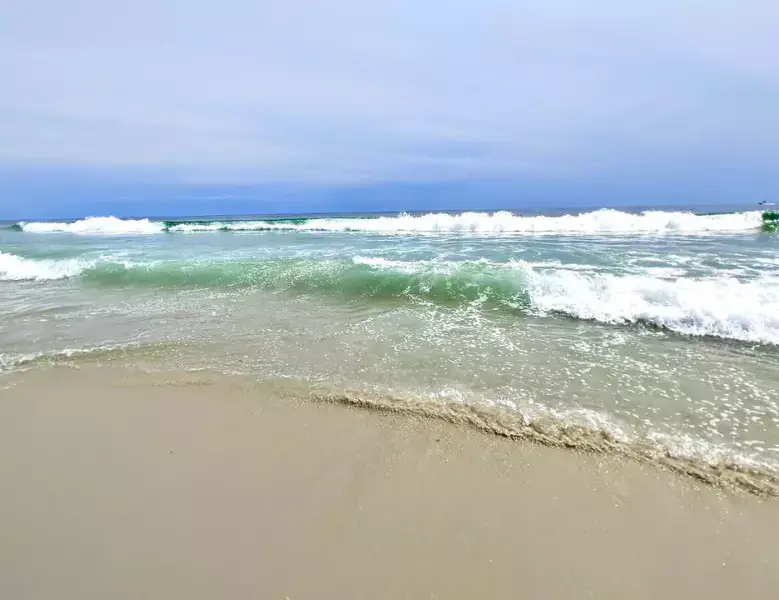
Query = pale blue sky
x=677 y=97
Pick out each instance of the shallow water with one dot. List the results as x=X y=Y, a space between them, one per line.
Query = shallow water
x=659 y=330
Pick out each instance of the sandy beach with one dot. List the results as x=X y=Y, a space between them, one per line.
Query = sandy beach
x=119 y=484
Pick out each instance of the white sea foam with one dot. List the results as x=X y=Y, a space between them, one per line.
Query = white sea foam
x=16 y=268
x=603 y=221
x=207 y=226
x=664 y=272
x=414 y=267
x=97 y=226
x=598 y=222
x=721 y=307
x=383 y=263
x=10 y=362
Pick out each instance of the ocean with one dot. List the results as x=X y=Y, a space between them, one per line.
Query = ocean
x=651 y=333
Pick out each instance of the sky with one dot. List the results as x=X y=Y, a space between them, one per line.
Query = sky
x=193 y=107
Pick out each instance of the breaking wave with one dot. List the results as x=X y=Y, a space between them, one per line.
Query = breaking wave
x=16 y=268
x=604 y=221
x=721 y=307
x=96 y=226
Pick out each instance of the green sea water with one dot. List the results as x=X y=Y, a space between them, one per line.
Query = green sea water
x=654 y=332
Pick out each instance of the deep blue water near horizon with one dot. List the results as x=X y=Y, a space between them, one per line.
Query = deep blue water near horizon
x=651 y=332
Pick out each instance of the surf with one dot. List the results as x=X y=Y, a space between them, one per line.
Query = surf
x=721 y=307
x=600 y=222
x=17 y=268
x=95 y=226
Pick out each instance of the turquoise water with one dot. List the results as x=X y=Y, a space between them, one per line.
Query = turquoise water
x=656 y=332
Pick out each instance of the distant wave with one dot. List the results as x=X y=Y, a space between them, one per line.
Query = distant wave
x=95 y=226
x=722 y=307
x=605 y=221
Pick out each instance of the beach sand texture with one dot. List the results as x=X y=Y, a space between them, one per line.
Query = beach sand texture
x=123 y=485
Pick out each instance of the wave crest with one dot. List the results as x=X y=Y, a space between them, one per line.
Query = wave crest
x=604 y=221
x=97 y=226
x=721 y=307
x=16 y=268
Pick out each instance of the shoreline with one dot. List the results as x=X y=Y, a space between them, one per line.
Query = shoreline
x=718 y=468
x=729 y=477
x=125 y=485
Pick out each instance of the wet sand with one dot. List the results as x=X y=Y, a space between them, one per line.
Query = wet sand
x=122 y=485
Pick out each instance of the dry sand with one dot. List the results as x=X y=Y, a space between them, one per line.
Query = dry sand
x=198 y=486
